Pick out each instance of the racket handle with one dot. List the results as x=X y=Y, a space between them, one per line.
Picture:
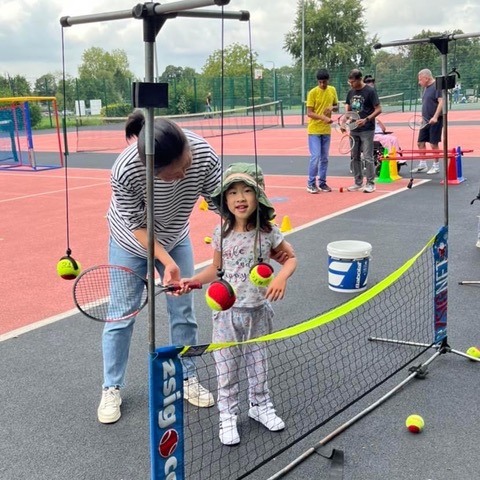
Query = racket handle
x=193 y=285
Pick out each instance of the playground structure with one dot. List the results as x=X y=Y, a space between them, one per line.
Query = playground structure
x=16 y=133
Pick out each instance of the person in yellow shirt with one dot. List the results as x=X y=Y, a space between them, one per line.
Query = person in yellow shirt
x=322 y=100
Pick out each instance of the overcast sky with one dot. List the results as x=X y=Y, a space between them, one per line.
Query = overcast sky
x=30 y=32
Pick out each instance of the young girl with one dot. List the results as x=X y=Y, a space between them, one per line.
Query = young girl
x=242 y=242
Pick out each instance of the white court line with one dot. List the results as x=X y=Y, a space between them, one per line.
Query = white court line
x=71 y=313
x=33 y=195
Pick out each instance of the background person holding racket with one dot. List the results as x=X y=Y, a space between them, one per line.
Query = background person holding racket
x=247 y=232
x=363 y=100
x=186 y=166
x=431 y=132
x=322 y=100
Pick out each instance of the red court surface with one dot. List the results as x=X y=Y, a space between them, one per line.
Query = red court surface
x=288 y=141
x=33 y=233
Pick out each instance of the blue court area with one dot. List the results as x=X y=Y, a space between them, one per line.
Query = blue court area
x=50 y=378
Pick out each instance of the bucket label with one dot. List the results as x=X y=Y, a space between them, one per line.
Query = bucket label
x=348 y=275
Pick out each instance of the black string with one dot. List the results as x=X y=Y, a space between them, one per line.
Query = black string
x=258 y=238
x=220 y=271
x=65 y=152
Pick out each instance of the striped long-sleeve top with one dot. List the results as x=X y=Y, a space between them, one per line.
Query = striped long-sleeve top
x=174 y=201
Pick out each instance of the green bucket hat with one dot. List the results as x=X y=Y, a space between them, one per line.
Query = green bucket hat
x=247 y=173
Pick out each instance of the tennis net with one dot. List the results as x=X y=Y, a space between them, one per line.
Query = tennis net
x=108 y=133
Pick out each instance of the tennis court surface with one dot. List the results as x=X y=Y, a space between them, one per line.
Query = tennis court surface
x=50 y=377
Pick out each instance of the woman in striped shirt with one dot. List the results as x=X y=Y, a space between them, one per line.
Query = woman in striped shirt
x=186 y=167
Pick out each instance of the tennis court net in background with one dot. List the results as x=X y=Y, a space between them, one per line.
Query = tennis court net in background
x=389 y=103
x=108 y=133
x=316 y=370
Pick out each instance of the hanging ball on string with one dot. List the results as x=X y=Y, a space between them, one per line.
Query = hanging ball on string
x=220 y=295
x=68 y=268
x=261 y=274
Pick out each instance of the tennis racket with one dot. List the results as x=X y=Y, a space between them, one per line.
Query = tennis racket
x=348 y=121
x=347 y=142
x=417 y=122
x=111 y=293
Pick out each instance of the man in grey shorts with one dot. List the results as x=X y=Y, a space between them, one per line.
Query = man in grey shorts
x=432 y=104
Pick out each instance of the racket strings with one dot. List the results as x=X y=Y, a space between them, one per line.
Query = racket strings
x=102 y=293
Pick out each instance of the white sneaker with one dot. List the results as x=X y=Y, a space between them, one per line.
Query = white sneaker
x=355 y=188
x=228 y=432
x=478 y=244
x=369 y=188
x=265 y=414
x=435 y=169
x=196 y=394
x=419 y=169
x=109 y=408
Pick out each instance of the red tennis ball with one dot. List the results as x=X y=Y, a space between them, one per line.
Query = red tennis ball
x=261 y=274
x=220 y=295
x=68 y=268
x=168 y=443
x=341 y=189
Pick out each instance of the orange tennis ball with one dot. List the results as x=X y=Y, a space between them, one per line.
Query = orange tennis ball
x=220 y=295
x=68 y=268
x=261 y=274
x=415 y=423
x=474 y=352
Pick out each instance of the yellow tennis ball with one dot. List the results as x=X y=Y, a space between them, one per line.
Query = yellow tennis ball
x=415 y=423
x=207 y=239
x=261 y=274
x=68 y=268
x=474 y=352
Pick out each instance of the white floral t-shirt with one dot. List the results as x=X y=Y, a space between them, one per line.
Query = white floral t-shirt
x=239 y=258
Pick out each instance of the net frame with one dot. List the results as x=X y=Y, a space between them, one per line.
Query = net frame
x=23 y=153
x=109 y=132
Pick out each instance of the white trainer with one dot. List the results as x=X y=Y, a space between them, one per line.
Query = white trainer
x=435 y=169
x=419 y=169
x=109 y=408
x=196 y=394
x=228 y=432
x=265 y=414
x=478 y=243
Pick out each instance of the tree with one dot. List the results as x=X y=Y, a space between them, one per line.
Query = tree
x=104 y=75
x=334 y=35
x=46 y=85
x=16 y=86
x=237 y=61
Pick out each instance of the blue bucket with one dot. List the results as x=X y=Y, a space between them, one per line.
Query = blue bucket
x=348 y=262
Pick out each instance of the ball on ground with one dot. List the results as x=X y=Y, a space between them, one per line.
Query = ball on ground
x=207 y=240
x=220 y=295
x=261 y=274
x=341 y=189
x=474 y=352
x=68 y=268
x=415 y=423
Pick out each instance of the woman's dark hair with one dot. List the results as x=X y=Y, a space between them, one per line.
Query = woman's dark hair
x=170 y=141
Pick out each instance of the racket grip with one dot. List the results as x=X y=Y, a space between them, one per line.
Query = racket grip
x=193 y=285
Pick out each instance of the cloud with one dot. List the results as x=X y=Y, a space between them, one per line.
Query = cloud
x=30 y=31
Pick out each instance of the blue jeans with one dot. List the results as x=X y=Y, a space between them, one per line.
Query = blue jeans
x=183 y=325
x=319 y=146
x=363 y=144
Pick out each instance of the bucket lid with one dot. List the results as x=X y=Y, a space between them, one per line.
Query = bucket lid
x=349 y=249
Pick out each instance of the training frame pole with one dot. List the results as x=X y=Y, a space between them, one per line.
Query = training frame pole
x=442 y=43
x=150 y=12
x=353 y=420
